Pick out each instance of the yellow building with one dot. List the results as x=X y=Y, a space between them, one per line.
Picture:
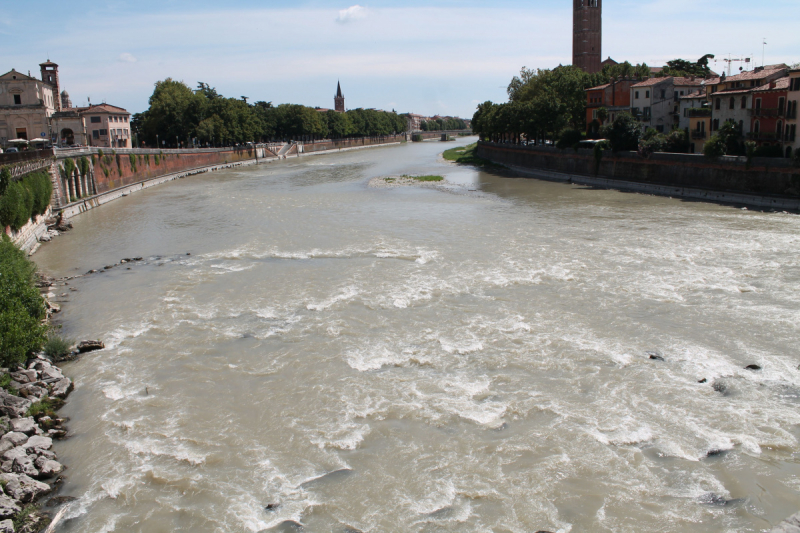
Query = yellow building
x=27 y=103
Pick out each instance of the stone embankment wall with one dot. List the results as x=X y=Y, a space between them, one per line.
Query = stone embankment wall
x=345 y=144
x=764 y=183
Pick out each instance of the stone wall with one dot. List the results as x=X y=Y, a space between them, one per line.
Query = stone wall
x=763 y=177
x=342 y=144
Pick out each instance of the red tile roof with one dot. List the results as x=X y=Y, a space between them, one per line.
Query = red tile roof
x=693 y=82
x=599 y=87
x=781 y=84
x=651 y=82
x=747 y=76
x=107 y=108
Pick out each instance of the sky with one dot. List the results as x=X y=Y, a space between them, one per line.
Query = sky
x=427 y=57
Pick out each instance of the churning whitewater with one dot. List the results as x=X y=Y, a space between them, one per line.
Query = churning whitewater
x=301 y=351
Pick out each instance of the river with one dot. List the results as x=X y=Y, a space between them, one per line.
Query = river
x=300 y=350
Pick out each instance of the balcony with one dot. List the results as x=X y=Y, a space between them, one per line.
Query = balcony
x=765 y=112
x=698 y=134
x=697 y=112
x=762 y=136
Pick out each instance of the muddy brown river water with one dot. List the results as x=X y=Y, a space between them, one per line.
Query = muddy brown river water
x=336 y=358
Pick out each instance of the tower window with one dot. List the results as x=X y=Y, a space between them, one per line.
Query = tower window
x=17 y=99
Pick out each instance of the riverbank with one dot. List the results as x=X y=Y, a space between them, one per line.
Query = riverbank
x=762 y=183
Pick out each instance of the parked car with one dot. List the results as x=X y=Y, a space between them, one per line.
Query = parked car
x=12 y=150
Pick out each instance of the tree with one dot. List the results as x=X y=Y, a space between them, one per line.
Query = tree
x=623 y=133
x=682 y=67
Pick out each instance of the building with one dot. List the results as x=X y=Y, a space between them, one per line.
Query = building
x=791 y=139
x=27 y=103
x=338 y=100
x=615 y=97
x=656 y=101
x=415 y=121
x=768 y=115
x=107 y=125
x=587 y=35
x=696 y=118
x=731 y=96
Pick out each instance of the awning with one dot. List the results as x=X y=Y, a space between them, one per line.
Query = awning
x=19 y=141
x=39 y=140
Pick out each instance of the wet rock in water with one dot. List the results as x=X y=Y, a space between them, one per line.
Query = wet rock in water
x=47 y=467
x=8 y=507
x=60 y=500
x=790 y=525
x=717 y=453
x=23 y=425
x=108 y=267
x=270 y=507
x=721 y=387
x=6 y=526
x=752 y=367
x=704 y=380
x=23 y=488
x=88 y=346
x=712 y=499
x=25 y=465
x=138 y=258
x=15 y=438
x=656 y=356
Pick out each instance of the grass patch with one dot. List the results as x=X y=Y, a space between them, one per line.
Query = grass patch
x=5 y=383
x=46 y=407
x=57 y=346
x=465 y=155
x=427 y=178
x=23 y=516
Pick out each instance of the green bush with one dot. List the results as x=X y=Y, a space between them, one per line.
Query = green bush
x=100 y=153
x=57 y=346
x=568 y=139
x=623 y=133
x=714 y=147
x=83 y=166
x=132 y=158
x=5 y=179
x=770 y=150
x=21 y=307
x=24 y=199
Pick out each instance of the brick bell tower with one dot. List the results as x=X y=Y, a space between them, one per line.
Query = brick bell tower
x=338 y=100
x=587 y=35
x=50 y=76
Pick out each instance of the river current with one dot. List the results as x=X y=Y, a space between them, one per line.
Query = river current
x=299 y=350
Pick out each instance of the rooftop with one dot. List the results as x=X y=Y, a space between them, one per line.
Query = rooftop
x=781 y=84
x=749 y=75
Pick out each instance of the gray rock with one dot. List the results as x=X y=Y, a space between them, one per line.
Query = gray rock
x=5 y=445
x=8 y=507
x=13 y=406
x=44 y=443
x=15 y=438
x=23 y=488
x=62 y=387
x=19 y=377
x=33 y=390
x=48 y=467
x=41 y=364
x=51 y=373
x=48 y=454
x=25 y=465
x=24 y=425
x=14 y=453
x=790 y=525
x=6 y=526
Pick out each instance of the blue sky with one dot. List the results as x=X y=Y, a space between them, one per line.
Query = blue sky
x=428 y=57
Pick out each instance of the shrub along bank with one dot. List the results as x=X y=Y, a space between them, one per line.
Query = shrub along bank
x=22 y=309
x=23 y=199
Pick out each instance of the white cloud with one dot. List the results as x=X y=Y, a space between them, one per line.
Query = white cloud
x=126 y=58
x=352 y=13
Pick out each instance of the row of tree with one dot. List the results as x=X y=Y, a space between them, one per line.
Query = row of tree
x=179 y=115
x=443 y=124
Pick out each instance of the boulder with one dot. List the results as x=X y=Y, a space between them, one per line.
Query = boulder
x=61 y=388
x=16 y=438
x=19 y=377
x=48 y=467
x=15 y=453
x=752 y=367
x=13 y=406
x=89 y=346
x=51 y=373
x=6 y=526
x=24 y=465
x=5 y=445
x=43 y=443
x=790 y=525
x=23 y=488
x=41 y=364
x=8 y=507
x=33 y=390
x=23 y=425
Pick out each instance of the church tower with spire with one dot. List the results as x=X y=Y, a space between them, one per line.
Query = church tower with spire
x=338 y=100
x=587 y=35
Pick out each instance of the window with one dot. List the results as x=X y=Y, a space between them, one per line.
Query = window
x=718 y=105
x=663 y=94
x=781 y=103
x=756 y=127
x=95 y=120
x=17 y=99
x=779 y=129
x=637 y=94
x=660 y=129
x=732 y=104
x=96 y=134
x=744 y=102
x=715 y=125
x=758 y=103
x=103 y=132
x=647 y=94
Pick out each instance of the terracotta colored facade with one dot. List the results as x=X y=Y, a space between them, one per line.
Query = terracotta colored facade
x=587 y=35
x=614 y=96
x=768 y=115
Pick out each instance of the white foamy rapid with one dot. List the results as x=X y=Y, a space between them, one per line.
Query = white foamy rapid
x=341 y=358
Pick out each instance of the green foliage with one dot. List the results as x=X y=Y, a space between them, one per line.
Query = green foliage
x=83 y=166
x=147 y=159
x=132 y=158
x=750 y=151
x=769 y=150
x=426 y=178
x=157 y=159
x=676 y=142
x=714 y=147
x=24 y=199
x=106 y=172
x=623 y=133
x=57 y=346
x=5 y=179
x=5 y=384
x=45 y=407
x=23 y=516
x=440 y=124
x=598 y=150
x=569 y=138
x=682 y=67
x=21 y=307
x=100 y=153
x=466 y=156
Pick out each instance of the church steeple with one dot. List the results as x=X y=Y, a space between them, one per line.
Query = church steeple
x=338 y=100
